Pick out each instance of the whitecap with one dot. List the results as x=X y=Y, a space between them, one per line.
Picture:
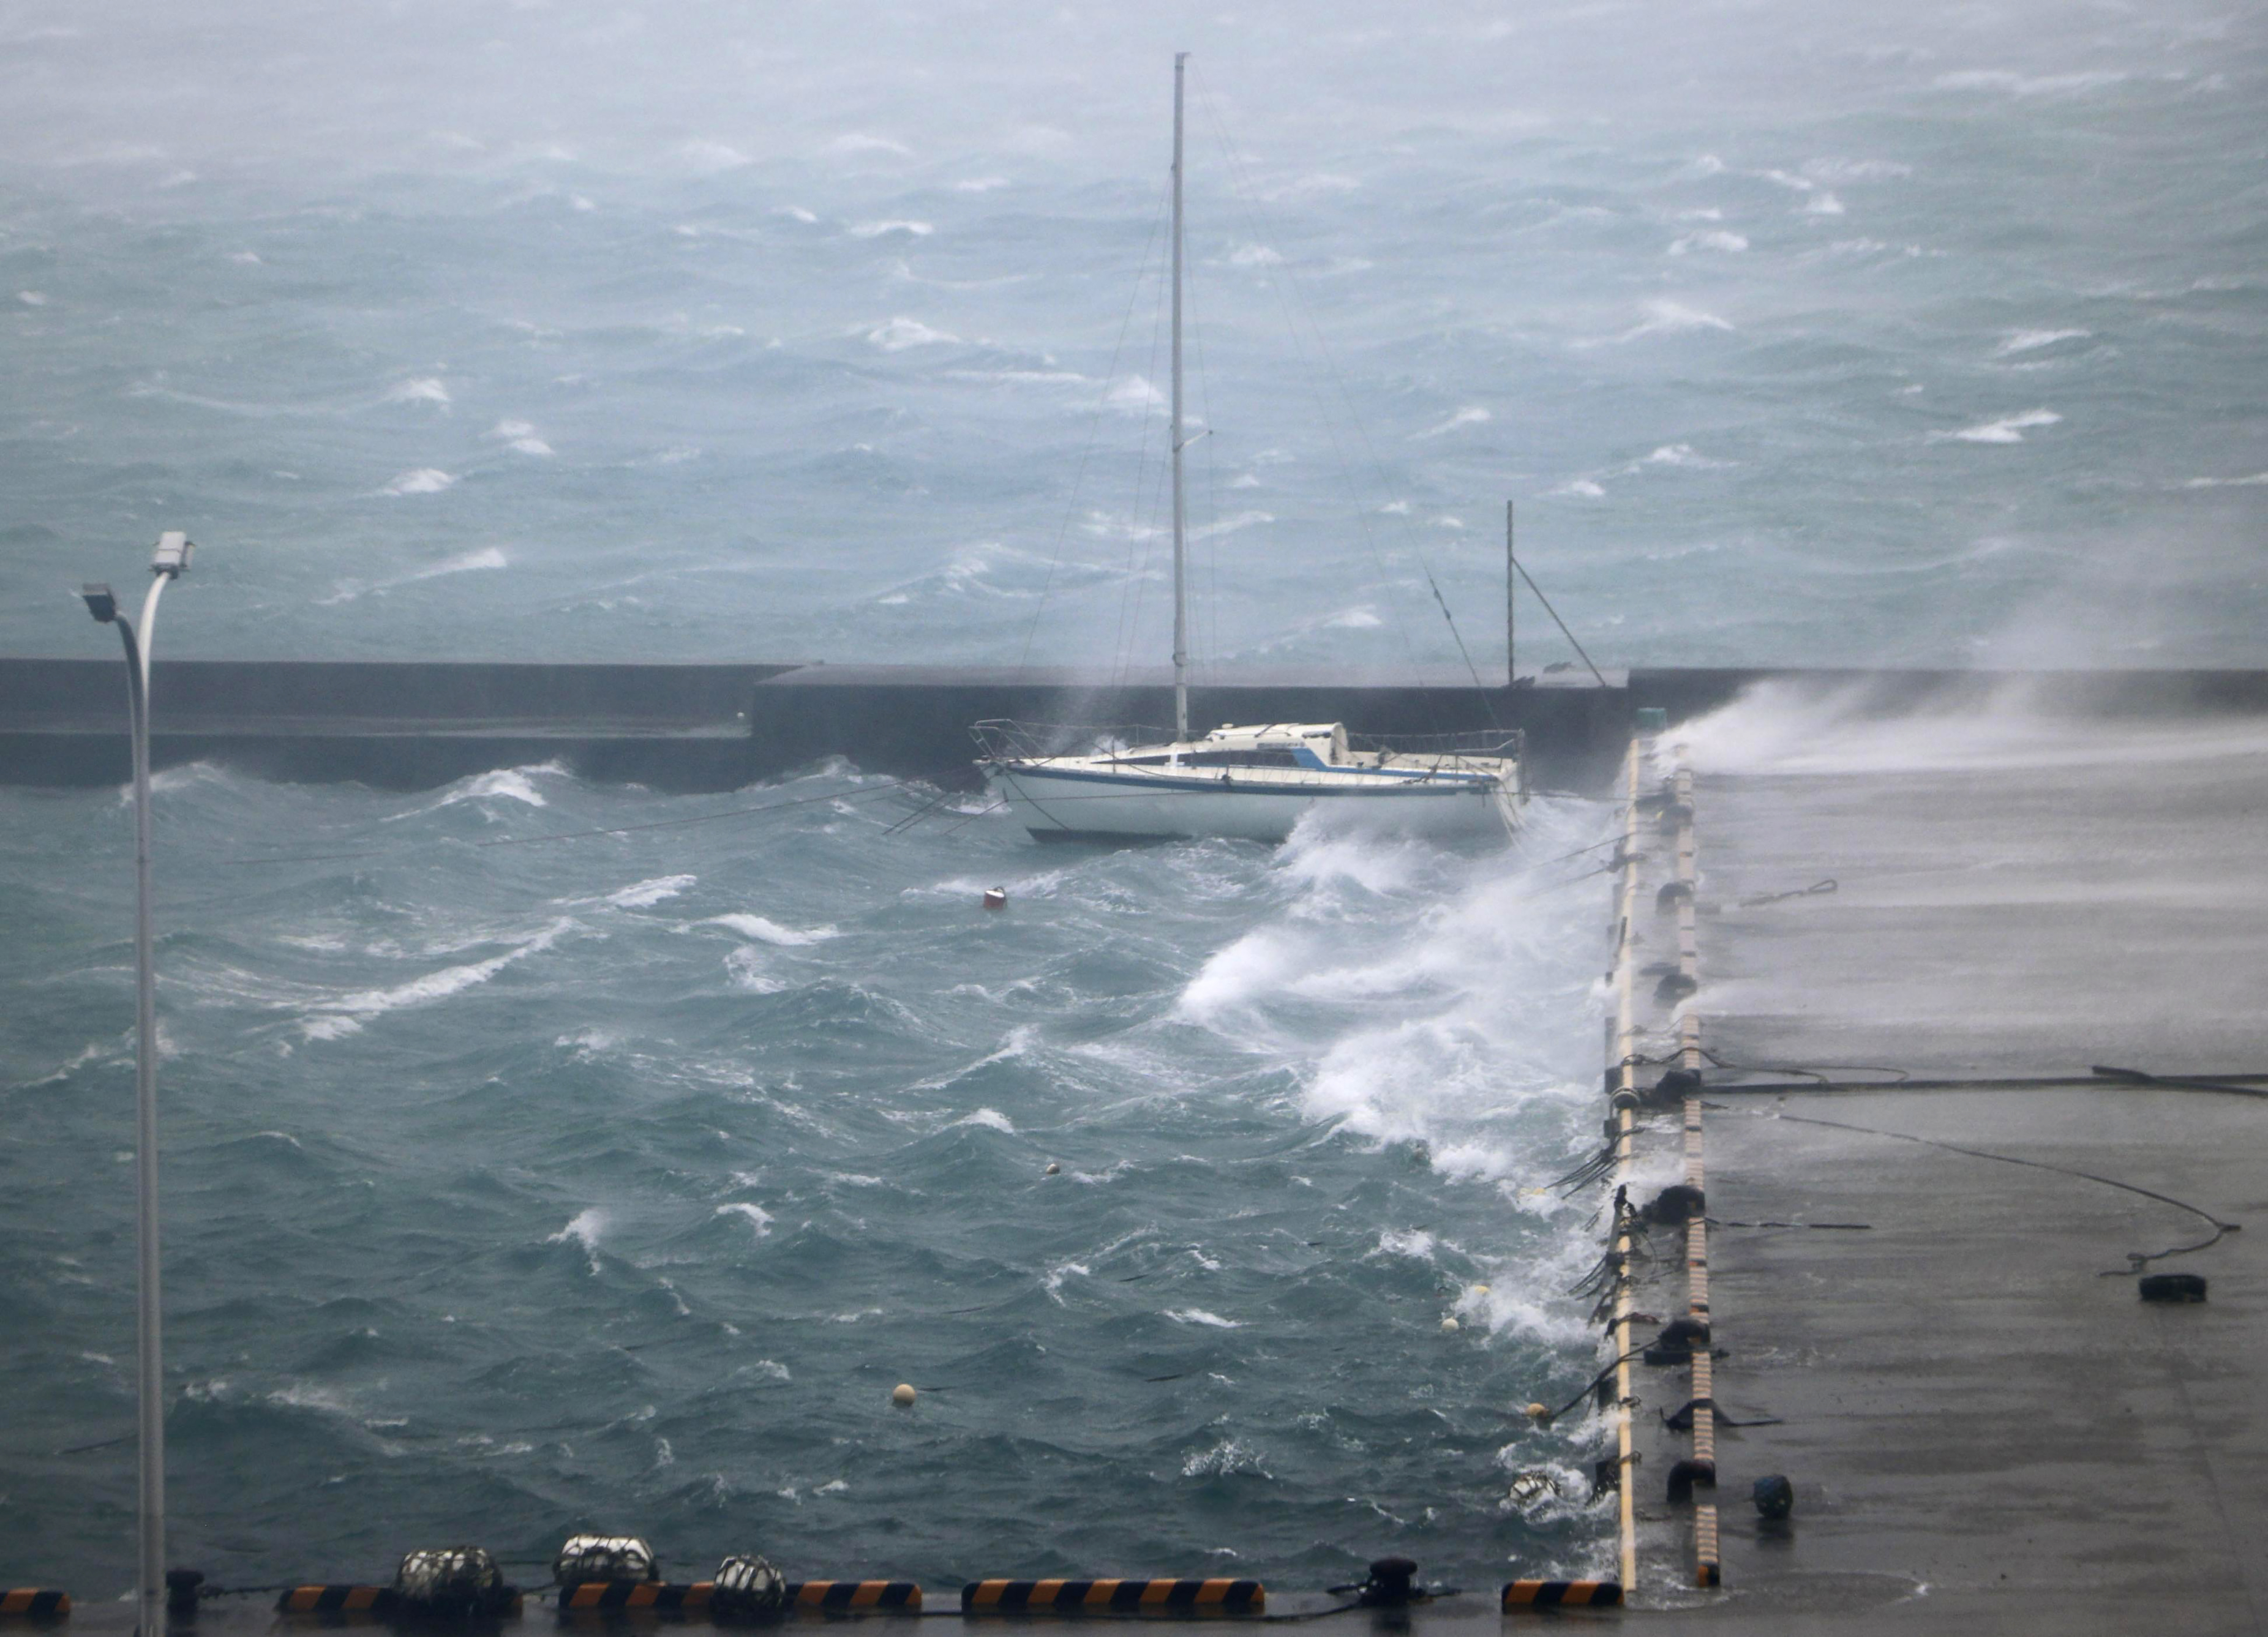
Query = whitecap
x=902 y=333
x=2028 y=84
x=643 y=895
x=31 y=297
x=423 y=390
x=1714 y=239
x=765 y=931
x=992 y=1119
x=424 y=479
x=2007 y=429
x=756 y=1216
x=1665 y=318
x=1199 y=1315
x=746 y=967
x=2032 y=340
x=506 y=784
x=2256 y=480
x=469 y=562
x=1472 y=415
x=334 y=1018
x=585 y=1230
x=519 y=436
x=876 y=230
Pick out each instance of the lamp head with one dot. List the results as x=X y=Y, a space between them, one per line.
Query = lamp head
x=174 y=549
x=102 y=602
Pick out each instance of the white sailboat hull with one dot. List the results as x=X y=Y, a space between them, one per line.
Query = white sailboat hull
x=1065 y=805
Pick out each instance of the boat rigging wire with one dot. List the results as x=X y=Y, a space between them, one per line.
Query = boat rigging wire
x=1556 y=620
x=1093 y=426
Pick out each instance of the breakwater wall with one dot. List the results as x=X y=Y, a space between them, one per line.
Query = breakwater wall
x=694 y=728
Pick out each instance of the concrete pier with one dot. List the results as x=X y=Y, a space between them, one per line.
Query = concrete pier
x=1924 y=1307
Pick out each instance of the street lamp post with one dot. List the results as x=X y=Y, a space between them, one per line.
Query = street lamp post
x=170 y=562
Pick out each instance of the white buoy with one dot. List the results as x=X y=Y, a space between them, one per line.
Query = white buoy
x=1447 y=1325
x=1540 y=1412
x=1054 y=1169
x=902 y=1394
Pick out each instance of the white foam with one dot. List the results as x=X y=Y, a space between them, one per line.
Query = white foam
x=1134 y=392
x=2256 y=480
x=424 y=479
x=1053 y=1283
x=746 y=967
x=645 y=893
x=902 y=333
x=757 y=1218
x=1414 y=1242
x=2028 y=84
x=992 y=1119
x=423 y=390
x=519 y=436
x=1665 y=318
x=1199 y=1315
x=771 y=931
x=2032 y=340
x=466 y=562
x=585 y=1230
x=31 y=297
x=504 y=784
x=2007 y=429
x=1714 y=239
x=334 y=1018
x=1680 y=454
x=1472 y=415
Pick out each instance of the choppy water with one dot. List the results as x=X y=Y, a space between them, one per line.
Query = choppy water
x=616 y=1182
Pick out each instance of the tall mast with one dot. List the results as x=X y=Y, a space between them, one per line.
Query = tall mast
x=1181 y=510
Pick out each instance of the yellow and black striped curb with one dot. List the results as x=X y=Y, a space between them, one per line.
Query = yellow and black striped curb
x=1545 y=1594
x=335 y=1600
x=1113 y=1596
x=347 y=1600
x=844 y=1596
x=35 y=1602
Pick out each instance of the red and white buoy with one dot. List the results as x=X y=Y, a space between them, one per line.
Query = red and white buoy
x=996 y=898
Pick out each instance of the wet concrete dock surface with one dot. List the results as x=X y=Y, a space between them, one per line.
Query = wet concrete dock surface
x=1986 y=1428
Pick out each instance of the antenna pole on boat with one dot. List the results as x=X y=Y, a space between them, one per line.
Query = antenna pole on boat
x=1181 y=513
x=1511 y=580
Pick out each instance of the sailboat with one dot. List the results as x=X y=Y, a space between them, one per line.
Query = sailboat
x=1248 y=782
